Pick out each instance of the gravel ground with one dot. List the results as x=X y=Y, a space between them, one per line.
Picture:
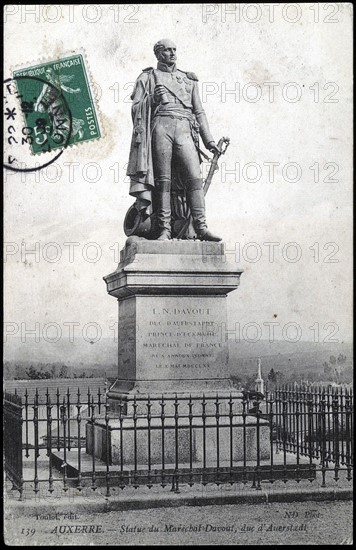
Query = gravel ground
x=300 y=523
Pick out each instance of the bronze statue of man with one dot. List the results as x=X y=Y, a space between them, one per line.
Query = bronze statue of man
x=164 y=163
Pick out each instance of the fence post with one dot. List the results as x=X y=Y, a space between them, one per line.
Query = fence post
x=13 y=422
x=121 y=420
x=271 y=415
x=162 y=405
x=68 y=415
x=278 y=419
x=64 y=463
x=49 y=442
x=79 y=421
x=93 y=418
x=134 y=417
x=204 y=438
x=258 y=453
x=284 y=438
x=217 y=418
x=108 y=446
x=349 y=435
x=190 y=417
x=36 y=451
x=322 y=433
x=175 y=478
x=26 y=424
x=231 y=419
x=149 y=416
x=297 y=419
x=244 y=414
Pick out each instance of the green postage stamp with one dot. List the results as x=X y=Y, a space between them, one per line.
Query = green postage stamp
x=57 y=104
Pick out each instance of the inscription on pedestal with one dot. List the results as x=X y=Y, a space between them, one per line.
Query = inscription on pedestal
x=180 y=343
x=174 y=337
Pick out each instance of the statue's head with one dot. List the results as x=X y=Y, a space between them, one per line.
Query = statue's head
x=165 y=51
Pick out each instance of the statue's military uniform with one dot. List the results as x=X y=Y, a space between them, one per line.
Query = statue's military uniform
x=178 y=118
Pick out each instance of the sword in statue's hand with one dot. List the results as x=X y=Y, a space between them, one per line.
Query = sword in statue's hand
x=223 y=144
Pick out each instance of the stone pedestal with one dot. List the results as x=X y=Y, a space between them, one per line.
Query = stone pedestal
x=172 y=316
x=171 y=342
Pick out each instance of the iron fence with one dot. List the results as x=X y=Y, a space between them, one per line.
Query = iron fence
x=77 y=440
x=315 y=422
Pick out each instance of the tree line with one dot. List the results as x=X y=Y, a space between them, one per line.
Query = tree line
x=335 y=370
x=43 y=371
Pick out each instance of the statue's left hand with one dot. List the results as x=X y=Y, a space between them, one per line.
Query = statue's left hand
x=213 y=148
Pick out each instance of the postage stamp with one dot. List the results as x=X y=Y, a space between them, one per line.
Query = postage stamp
x=57 y=103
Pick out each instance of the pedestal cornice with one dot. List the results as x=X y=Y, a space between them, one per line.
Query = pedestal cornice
x=173 y=268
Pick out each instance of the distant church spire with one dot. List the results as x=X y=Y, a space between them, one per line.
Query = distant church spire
x=259 y=384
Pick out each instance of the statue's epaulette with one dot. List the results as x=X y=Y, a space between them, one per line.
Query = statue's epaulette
x=191 y=75
x=147 y=69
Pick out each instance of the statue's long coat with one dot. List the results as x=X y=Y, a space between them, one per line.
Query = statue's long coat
x=140 y=166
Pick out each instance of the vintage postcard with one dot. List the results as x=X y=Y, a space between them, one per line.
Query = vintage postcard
x=178 y=353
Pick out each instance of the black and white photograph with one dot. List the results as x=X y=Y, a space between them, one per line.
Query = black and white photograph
x=178 y=336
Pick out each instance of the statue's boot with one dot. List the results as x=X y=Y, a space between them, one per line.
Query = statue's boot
x=164 y=212
x=165 y=235
x=196 y=204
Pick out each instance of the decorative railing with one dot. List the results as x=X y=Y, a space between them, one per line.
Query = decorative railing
x=78 y=440
x=314 y=422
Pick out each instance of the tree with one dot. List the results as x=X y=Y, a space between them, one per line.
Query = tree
x=340 y=367
x=63 y=372
x=83 y=375
x=272 y=376
x=328 y=370
x=279 y=377
x=34 y=374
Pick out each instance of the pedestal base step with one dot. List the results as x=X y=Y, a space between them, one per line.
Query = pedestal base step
x=204 y=441
x=187 y=474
